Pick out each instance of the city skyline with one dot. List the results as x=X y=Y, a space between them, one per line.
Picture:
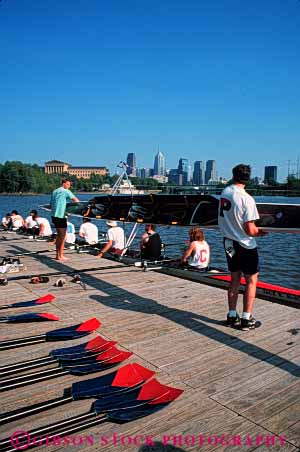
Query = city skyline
x=197 y=81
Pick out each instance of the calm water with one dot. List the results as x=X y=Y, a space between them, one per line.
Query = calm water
x=279 y=253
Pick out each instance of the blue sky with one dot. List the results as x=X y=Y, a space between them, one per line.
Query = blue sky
x=89 y=81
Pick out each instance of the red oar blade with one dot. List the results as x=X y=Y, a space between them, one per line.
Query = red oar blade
x=25 y=304
x=147 y=393
x=132 y=413
x=128 y=376
x=73 y=332
x=100 y=364
x=30 y=317
x=92 y=346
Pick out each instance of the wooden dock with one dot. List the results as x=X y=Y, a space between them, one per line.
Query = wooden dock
x=241 y=389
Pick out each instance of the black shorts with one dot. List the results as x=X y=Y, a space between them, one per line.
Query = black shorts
x=59 y=222
x=242 y=259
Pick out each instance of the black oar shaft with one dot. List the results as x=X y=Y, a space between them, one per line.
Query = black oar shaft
x=7 y=346
x=21 y=339
x=20 y=367
x=30 y=379
x=62 y=428
x=33 y=409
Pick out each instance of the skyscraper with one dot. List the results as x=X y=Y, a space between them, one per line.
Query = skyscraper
x=159 y=164
x=183 y=169
x=131 y=164
x=198 y=174
x=270 y=175
x=211 y=171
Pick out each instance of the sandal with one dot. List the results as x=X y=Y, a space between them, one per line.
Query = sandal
x=3 y=282
x=39 y=279
x=60 y=282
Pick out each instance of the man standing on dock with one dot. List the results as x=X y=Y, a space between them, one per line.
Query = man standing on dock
x=237 y=215
x=58 y=210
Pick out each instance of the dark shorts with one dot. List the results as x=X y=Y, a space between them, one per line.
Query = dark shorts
x=242 y=259
x=59 y=222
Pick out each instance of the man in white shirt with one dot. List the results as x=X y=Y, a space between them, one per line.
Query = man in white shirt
x=29 y=224
x=43 y=225
x=237 y=215
x=16 y=220
x=88 y=232
x=116 y=239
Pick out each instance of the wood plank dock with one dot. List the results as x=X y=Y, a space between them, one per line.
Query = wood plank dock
x=241 y=389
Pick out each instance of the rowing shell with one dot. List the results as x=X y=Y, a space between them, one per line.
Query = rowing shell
x=264 y=290
x=180 y=210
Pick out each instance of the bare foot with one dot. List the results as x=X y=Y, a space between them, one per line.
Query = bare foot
x=63 y=258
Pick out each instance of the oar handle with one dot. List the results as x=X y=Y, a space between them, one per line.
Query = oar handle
x=33 y=409
x=5 y=306
x=28 y=379
x=7 y=346
x=21 y=339
x=71 y=425
x=26 y=365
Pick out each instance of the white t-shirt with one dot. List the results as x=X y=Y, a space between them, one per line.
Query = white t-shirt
x=116 y=234
x=29 y=222
x=90 y=233
x=5 y=221
x=70 y=235
x=200 y=258
x=17 y=221
x=47 y=228
x=235 y=209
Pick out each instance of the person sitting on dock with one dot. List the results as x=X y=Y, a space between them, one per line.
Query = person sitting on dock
x=70 y=235
x=116 y=239
x=150 y=243
x=88 y=233
x=198 y=253
x=45 y=231
x=30 y=226
x=6 y=222
x=16 y=220
x=237 y=215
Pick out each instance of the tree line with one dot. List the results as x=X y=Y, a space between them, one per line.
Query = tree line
x=18 y=177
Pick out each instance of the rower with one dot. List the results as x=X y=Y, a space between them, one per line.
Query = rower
x=198 y=253
x=116 y=239
x=150 y=243
x=88 y=233
x=6 y=222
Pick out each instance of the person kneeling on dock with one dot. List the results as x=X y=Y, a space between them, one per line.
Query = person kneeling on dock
x=116 y=239
x=150 y=244
x=198 y=253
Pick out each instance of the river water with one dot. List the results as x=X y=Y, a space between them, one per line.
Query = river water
x=279 y=253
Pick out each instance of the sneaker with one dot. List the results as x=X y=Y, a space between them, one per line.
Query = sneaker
x=233 y=321
x=247 y=325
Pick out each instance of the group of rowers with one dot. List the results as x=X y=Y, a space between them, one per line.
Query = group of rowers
x=197 y=254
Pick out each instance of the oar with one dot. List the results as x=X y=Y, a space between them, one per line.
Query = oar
x=62 y=334
x=120 y=381
x=72 y=272
x=29 y=317
x=147 y=399
x=75 y=352
x=29 y=253
x=24 y=304
x=95 y=363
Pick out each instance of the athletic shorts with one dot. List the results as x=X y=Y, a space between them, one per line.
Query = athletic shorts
x=240 y=258
x=59 y=222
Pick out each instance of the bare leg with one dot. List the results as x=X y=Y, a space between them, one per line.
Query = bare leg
x=60 y=241
x=233 y=290
x=250 y=292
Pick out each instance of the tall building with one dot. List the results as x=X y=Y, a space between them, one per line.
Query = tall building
x=198 y=174
x=131 y=164
x=270 y=175
x=183 y=169
x=211 y=171
x=159 y=164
